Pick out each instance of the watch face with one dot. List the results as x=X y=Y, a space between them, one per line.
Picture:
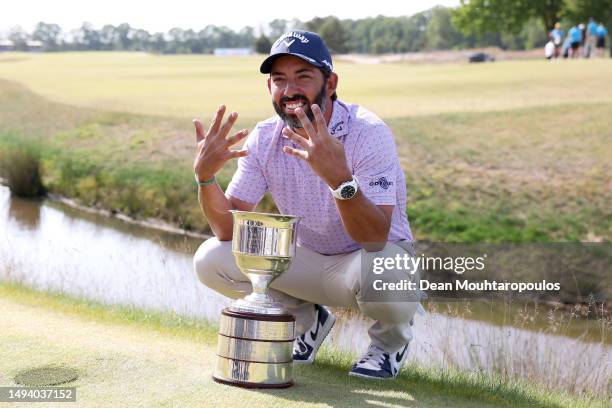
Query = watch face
x=347 y=192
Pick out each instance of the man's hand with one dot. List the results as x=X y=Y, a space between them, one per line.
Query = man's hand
x=323 y=152
x=213 y=148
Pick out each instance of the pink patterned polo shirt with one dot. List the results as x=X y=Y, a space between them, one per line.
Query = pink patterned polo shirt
x=371 y=156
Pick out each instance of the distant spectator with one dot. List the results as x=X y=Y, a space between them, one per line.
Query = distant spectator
x=566 y=47
x=556 y=36
x=591 y=38
x=549 y=50
x=602 y=33
x=582 y=29
x=575 y=38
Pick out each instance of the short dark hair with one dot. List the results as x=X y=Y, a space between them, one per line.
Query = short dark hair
x=326 y=75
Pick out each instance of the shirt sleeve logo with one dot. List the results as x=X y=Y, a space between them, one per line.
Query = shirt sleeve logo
x=382 y=182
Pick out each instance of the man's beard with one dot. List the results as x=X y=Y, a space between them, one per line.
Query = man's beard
x=292 y=120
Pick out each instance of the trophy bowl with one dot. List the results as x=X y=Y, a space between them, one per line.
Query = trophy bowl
x=256 y=334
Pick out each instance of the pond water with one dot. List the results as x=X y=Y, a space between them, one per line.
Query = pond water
x=51 y=246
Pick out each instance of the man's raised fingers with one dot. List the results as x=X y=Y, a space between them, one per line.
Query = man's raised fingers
x=216 y=121
x=306 y=124
x=297 y=138
x=227 y=126
x=199 y=130
x=236 y=137
x=296 y=152
x=238 y=153
x=319 y=118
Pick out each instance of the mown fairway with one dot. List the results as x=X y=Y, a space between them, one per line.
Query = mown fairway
x=125 y=357
x=510 y=151
x=184 y=86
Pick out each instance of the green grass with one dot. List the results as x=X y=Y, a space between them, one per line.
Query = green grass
x=160 y=358
x=21 y=169
x=161 y=322
x=506 y=152
x=189 y=85
x=533 y=174
x=512 y=151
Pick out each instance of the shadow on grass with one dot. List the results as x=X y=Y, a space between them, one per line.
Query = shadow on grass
x=328 y=383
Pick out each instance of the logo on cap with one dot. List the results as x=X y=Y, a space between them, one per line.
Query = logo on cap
x=303 y=44
x=294 y=35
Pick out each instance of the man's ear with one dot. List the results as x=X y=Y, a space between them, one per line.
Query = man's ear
x=332 y=84
x=269 y=88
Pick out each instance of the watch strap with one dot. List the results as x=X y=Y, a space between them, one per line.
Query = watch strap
x=337 y=193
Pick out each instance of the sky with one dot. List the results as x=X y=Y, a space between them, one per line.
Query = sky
x=162 y=16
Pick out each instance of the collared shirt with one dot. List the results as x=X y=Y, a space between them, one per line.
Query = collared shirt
x=575 y=34
x=557 y=35
x=371 y=156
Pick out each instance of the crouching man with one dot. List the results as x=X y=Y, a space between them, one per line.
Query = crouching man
x=334 y=165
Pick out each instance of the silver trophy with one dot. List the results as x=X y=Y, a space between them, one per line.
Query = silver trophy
x=256 y=334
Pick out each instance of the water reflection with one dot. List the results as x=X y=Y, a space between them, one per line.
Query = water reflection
x=51 y=246
x=103 y=259
x=24 y=212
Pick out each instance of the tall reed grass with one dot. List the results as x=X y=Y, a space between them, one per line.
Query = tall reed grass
x=525 y=342
x=531 y=345
x=20 y=168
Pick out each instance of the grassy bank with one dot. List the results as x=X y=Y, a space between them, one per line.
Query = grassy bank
x=133 y=357
x=525 y=175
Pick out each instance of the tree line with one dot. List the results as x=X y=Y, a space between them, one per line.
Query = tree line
x=521 y=24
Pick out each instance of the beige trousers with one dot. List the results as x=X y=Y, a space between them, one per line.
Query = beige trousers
x=331 y=280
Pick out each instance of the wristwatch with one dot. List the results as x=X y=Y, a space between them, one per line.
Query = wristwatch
x=346 y=190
